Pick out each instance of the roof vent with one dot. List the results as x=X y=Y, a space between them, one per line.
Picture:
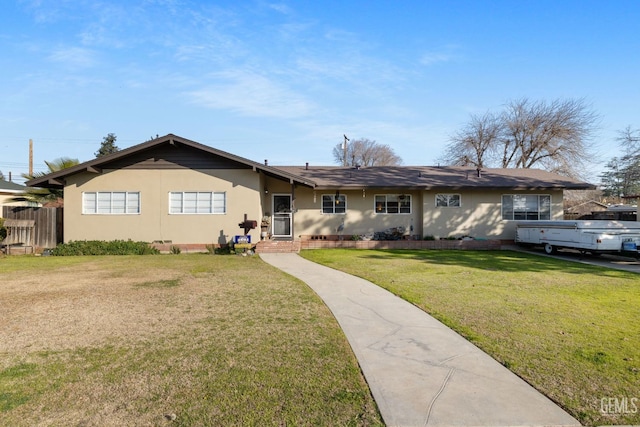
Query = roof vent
x=306 y=166
x=479 y=171
x=266 y=162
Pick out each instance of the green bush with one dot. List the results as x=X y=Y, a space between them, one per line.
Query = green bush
x=99 y=247
x=3 y=231
x=223 y=250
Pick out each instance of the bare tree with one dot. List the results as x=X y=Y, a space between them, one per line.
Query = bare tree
x=475 y=143
x=364 y=152
x=629 y=140
x=553 y=136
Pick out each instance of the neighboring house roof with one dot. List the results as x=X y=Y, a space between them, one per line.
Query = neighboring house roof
x=588 y=205
x=140 y=152
x=433 y=177
x=154 y=153
x=9 y=187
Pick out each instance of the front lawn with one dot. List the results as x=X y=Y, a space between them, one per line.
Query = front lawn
x=181 y=340
x=569 y=329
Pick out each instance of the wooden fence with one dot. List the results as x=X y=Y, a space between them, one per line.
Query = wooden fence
x=48 y=225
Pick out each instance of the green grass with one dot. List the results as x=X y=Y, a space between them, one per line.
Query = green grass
x=569 y=329
x=214 y=340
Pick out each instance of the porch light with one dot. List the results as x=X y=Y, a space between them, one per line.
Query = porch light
x=266 y=190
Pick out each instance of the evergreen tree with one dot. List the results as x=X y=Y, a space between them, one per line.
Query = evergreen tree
x=107 y=146
x=622 y=176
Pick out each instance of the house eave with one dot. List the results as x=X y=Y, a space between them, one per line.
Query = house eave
x=56 y=179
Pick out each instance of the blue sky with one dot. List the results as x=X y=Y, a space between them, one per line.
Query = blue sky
x=285 y=80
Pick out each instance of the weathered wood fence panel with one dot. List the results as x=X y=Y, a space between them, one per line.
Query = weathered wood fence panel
x=48 y=229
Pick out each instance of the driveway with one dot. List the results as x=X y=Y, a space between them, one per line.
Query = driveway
x=609 y=261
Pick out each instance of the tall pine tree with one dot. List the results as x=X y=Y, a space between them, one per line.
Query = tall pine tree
x=107 y=146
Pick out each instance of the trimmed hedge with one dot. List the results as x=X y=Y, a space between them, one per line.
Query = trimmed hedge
x=99 y=247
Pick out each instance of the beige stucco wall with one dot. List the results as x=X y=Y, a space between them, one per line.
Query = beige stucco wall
x=360 y=217
x=154 y=223
x=251 y=193
x=479 y=216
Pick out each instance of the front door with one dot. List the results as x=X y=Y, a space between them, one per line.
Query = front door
x=281 y=215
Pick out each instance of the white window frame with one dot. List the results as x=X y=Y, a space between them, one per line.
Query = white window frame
x=338 y=204
x=197 y=202
x=539 y=214
x=111 y=203
x=382 y=207
x=444 y=200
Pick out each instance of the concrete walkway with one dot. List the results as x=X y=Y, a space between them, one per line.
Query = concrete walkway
x=420 y=372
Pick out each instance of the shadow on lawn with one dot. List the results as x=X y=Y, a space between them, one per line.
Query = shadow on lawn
x=493 y=261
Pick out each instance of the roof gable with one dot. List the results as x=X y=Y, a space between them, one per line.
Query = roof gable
x=169 y=152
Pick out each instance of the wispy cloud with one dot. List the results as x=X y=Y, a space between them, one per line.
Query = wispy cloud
x=446 y=54
x=280 y=7
x=251 y=94
x=74 y=57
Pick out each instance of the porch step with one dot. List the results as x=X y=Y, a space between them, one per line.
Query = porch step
x=277 y=246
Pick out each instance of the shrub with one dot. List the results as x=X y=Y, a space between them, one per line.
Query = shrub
x=223 y=250
x=99 y=247
x=3 y=231
x=175 y=250
x=429 y=237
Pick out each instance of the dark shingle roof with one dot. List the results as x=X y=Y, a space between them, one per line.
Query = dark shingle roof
x=433 y=177
x=332 y=177
x=11 y=187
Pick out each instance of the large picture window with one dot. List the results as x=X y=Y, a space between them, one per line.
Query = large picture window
x=448 y=200
x=392 y=204
x=111 y=202
x=334 y=204
x=526 y=206
x=197 y=202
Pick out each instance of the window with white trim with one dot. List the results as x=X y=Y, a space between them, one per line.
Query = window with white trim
x=392 y=204
x=111 y=202
x=447 y=200
x=526 y=206
x=334 y=204
x=197 y=202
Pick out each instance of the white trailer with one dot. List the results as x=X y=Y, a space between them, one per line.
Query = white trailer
x=595 y=237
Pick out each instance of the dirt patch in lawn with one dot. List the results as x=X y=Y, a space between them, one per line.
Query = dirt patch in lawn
x=171 y=340
x=72 y=308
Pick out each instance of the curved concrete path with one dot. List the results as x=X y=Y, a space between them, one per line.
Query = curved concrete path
x=420 y=372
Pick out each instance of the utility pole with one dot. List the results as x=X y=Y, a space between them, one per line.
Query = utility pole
x=344 y=148
x=30 y=157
